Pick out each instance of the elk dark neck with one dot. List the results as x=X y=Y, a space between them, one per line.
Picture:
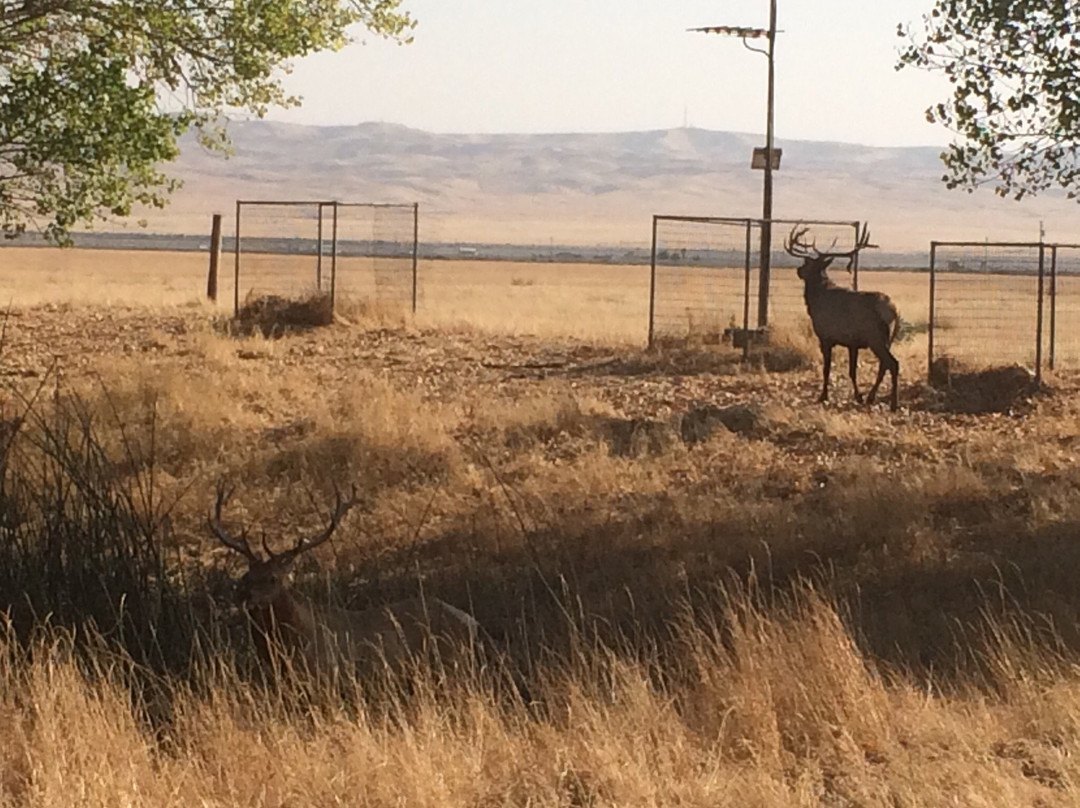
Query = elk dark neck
x=814 y=287
x=282 y=613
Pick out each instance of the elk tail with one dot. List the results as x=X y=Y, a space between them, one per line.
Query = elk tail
x=888 y=314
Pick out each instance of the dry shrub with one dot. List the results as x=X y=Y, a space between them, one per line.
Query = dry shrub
x=957 y=388
x=274 y=316
x=785 y=349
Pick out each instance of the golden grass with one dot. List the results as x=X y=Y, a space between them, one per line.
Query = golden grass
x=601 y=303
x=656 y=602
x=774 y=707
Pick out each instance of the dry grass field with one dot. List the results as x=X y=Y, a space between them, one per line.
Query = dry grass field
x=983 y=320
x=703 y=587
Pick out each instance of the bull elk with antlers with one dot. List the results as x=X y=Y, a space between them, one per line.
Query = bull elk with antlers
x=845 y=317
x=326 y=637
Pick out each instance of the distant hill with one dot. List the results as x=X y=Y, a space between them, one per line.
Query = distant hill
x=594 y=189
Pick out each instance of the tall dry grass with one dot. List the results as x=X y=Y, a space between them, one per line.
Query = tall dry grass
x=654 y=633
x=770 y=705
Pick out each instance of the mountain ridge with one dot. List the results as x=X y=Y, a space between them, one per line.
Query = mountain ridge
x=593 y=188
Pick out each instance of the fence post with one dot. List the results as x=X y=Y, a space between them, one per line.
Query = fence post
x=415 y=253
x=318 y=252
x=1039 y=317
x=930 y=324
x=746 y=292
x=652 y=284
x=1053 y=305
x=236 y=263
x=215 y=255
x=333 y=256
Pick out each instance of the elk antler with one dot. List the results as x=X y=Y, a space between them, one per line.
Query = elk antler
x=240 y=544
x=796 y=246
x=341 y=507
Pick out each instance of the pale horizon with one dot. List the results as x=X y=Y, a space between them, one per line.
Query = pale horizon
x=556 y=133
x=600 y=67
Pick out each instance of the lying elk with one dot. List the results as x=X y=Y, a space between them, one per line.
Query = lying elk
x=845 y=317
x=326 y=637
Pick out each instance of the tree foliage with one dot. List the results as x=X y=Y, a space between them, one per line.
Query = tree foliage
x=1014 y=66
x=94 y=94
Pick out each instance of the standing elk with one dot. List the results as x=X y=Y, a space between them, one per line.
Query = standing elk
x=322 y=637
x=845 y=317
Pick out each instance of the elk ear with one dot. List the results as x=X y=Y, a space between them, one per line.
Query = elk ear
x=826 y=261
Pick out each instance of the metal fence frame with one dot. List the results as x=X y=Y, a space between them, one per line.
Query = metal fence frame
x=1051 y=363
x=1047 y=271
x=748 y=223
x=321 y=206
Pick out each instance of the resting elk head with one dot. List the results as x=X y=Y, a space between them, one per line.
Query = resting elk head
x=267 y=578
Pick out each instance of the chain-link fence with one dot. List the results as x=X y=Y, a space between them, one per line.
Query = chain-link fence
x=356 y=250
x=706 y=276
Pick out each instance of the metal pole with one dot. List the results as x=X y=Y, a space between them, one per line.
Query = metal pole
x=746 y=293
x=766 y=214
x=652 y=284
x=318 y=259
x=1039 y=318
x=415 y=252
x=236 y=264
x=930 y=325
x=333 y=257
x=1053 y=305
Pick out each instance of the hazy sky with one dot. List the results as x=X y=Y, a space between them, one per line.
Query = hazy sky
x=622 y=65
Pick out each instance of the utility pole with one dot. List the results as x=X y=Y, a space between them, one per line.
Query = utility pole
x=769 y=156
x=766 y=212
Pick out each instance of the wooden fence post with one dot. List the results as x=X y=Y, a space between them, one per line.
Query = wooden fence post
x=215 y=255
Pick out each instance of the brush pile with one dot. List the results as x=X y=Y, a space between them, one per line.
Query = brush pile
x=274 y=316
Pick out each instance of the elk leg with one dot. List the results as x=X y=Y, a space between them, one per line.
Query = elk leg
x=853 y=366
x=894 y=369
x=877 y=382
x=886 y=361
x=826 y=354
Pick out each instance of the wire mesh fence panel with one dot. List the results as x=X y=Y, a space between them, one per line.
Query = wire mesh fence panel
x=985 y=304
x=1062 y=301
x=376 y=252
x=277 y=249
x=699 y=276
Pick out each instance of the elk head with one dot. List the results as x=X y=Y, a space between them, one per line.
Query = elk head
x=815 y=261
x=265 y=583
